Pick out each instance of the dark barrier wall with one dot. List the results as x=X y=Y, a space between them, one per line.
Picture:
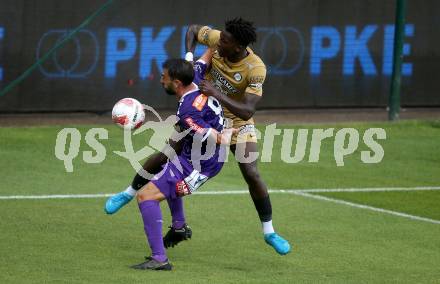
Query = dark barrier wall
x=319 y=53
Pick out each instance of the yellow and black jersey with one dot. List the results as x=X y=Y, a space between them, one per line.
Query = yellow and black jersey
x=233 y=79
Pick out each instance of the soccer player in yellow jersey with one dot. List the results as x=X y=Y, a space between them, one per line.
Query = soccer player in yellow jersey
x=236 y=80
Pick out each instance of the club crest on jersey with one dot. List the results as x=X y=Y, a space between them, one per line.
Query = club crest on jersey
x=237 y=77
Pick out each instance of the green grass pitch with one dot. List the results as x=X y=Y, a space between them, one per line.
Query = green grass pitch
x=73 y=241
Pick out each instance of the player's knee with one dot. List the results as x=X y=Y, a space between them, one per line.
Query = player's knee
x=251 y=174
x=148 y=192
x=141 y=196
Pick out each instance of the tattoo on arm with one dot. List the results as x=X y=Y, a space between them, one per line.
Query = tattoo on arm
x=191 y=37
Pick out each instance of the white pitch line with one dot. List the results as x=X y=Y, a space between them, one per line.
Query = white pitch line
x=228 y=192
x=102 y=195
x=371 y=208
x=300 y=192
x=56 y=196
x=371 y=189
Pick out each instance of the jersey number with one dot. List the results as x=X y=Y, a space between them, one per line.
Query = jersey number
x=217 y=108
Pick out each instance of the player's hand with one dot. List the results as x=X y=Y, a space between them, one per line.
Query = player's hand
x=226 y=135
x=207 y=88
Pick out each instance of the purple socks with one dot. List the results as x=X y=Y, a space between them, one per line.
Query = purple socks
x=152 y=217
x=176 y=208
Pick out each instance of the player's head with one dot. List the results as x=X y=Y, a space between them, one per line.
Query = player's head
x=176 y=75
x=238 y=34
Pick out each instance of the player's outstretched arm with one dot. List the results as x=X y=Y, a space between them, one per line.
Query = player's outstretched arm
x=191 y=37
x=244 y=109
x=207 y=56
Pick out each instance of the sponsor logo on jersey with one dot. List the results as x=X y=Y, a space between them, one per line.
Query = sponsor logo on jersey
x=256 y=82
x=216 y=75
x=194 y=126
x=199 y=102
x=182 y=188
x=256 y=85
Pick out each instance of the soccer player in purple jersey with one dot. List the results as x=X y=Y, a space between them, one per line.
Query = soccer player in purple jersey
x=179 y=230
x=201 y=156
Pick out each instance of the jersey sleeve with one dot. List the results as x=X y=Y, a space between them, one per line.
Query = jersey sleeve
x=208 y=36
x=199 y=71
x=190 y=118
x=256 y=79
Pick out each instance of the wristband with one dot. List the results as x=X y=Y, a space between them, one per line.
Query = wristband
x=189 y=56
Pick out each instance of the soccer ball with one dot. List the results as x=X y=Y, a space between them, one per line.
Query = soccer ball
x=128 y=113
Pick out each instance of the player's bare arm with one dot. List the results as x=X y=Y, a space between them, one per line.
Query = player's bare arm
x=191 y=37
x=244 y=109
x=207 y=57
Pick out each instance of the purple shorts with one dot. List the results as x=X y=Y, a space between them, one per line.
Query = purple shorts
x=180 y=177
x=167 y=180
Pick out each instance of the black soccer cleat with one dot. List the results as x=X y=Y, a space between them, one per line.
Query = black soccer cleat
x=152 y=264
x=175 y=236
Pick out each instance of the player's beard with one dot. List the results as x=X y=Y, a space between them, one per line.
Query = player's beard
x=169 y=90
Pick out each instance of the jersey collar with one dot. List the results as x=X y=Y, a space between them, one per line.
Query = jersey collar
x=244 y=60
x=189 y=92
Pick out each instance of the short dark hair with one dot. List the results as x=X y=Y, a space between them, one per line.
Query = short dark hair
x=243 y=31
x=179 y=69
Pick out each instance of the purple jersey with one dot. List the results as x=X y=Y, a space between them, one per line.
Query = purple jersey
x=199 y=159
x=199 y=115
